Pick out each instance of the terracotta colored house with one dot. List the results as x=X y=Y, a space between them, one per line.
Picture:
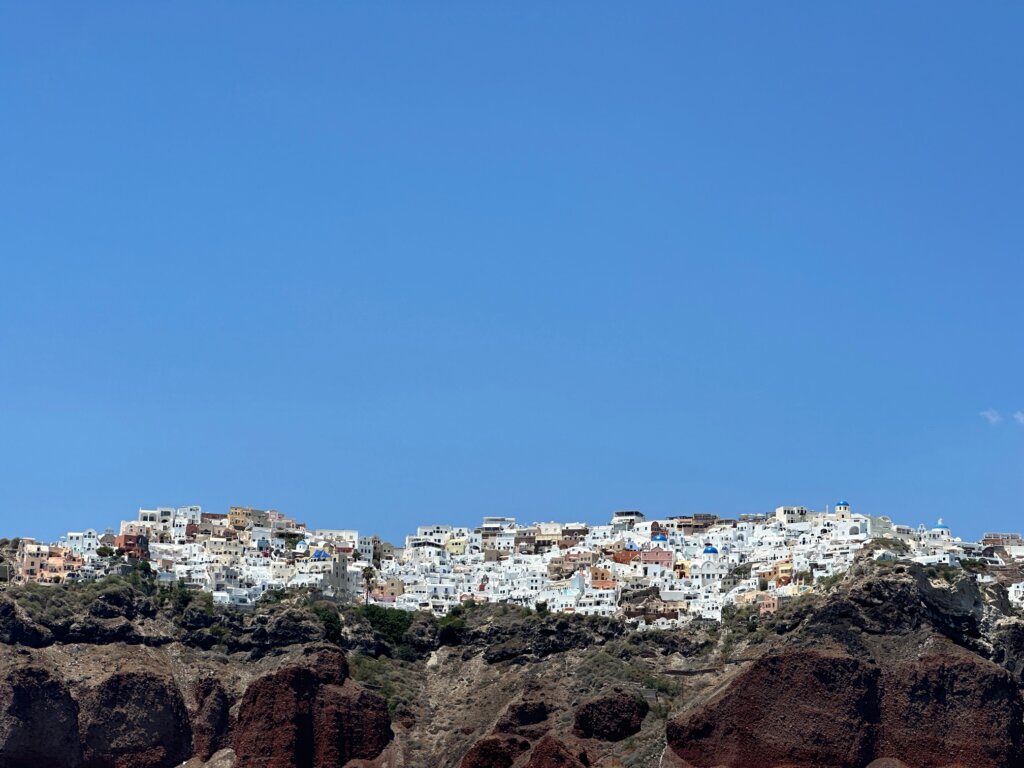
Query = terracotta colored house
x=133 y=546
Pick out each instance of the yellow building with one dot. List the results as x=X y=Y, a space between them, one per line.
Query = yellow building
x=782 y=572
x=456 y=545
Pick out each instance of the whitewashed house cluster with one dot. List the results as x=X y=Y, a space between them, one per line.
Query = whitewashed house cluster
x=655 y=572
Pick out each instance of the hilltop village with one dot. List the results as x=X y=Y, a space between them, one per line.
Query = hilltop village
x=653 y=573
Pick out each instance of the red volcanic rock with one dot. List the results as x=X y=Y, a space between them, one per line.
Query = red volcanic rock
x=495 y=752
x=805 y=708
x=38 y=722
x=211 y=718
x=551 y=753
x=329 y=664
x=610 y=718
x=134 y=720
x=950 y=709
x=275 y=724
x=349 y=723
x=309 y=715
x=809 y=708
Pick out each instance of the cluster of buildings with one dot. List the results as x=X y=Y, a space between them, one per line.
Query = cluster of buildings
x=656 y=573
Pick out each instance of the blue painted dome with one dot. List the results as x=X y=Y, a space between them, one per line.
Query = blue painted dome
x=659 y=537
x=710 y=550
x=941 y=525
x=842 y=503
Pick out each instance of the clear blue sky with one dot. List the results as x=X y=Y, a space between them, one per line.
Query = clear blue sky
x=380 y=264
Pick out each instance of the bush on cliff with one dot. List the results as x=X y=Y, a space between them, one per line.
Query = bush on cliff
x=395 y=680
x=178 y=599
x=329 y=617
x=390 y=623
x=53 y=604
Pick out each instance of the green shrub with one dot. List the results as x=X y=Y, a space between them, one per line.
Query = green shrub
x=898 y=546
x=221 y=632
x=450 y=628
x=392 y=678
x=329 y=617
x=660 y=710
x=661 y=684
x=390 y=623
x=177 y=597
x=827 y=582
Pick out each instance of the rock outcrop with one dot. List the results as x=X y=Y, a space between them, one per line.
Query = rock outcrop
x=805 y=708
x=813 y=708
x=309 y=715
x=610 y=718
x=522 y=714
x=891 y=669
x=39 y=721
x=211 y=719
x=495 y=752
x=134 y=720
x=552 y=753
x=950 y=707
x=16 y=629
x=541 y=637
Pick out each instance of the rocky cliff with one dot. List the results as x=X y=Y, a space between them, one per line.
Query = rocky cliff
x=897 y=665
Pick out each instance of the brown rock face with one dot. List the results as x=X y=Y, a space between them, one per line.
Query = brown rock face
x=825 y=708
x=610 y=718
x=349 y=724
x=38 y=723
x=211 y=719
x=803 y=708
x=951 y=710
x=309 y=715
x=551 y=753
x=275 y=723
x=134 y=720
x=495 y=752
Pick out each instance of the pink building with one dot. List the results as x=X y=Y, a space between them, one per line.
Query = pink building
x=656 y=555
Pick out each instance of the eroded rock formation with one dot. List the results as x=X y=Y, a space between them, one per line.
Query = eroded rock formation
x=309 y=715
x=39 y=722
x=134 y=720
x=887 y=670
x=611 y=718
